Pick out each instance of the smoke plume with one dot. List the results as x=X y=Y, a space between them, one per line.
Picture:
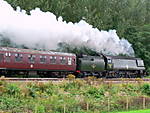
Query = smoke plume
x=44 y=30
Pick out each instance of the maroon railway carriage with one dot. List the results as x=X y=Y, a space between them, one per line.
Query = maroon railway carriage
x=34 y=62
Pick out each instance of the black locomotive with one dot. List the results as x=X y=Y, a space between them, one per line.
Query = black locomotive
x=111 y=66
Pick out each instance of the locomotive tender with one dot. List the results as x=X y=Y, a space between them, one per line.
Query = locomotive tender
x=27 y=62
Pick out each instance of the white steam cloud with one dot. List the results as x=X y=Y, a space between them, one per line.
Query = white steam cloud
x=43 y=29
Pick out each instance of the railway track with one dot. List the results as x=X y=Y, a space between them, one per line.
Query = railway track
x=128 y=80
x=113 y=80
x=31 y=79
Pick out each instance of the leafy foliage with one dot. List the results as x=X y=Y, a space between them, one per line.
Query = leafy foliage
x=64 y=47
x=97 y=93
x=146 y=89
x=12 y=89
x=140 y=38
x=131 y=19
x=74 y=96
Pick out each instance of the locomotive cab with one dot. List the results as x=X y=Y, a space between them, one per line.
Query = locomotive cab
x=108 y=62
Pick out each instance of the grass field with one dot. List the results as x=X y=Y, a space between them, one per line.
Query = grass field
x=73 y=96
x=137 y=111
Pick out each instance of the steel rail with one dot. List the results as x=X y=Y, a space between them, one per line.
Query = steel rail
x=31 y=79
x=61 y=79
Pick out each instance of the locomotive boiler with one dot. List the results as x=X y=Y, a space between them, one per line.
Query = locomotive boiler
x=111 y=66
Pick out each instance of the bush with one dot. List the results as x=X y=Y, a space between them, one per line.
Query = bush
x=9 y=103
x=39 y=109
x=90 y=79
x=12 y=89
x=146 y=89
x=76 y=84
x=70 y=86
x=39 y=89
x=1 y=82
x=2 y=87
x=95 y=92
x=71 y=77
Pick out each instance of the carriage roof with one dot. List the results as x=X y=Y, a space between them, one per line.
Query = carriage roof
x=7 y=49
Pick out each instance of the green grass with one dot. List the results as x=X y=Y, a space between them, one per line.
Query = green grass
x=137 y=111
x=74 y=96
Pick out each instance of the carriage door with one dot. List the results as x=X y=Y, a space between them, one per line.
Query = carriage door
x=1 y=57
x=69 y=61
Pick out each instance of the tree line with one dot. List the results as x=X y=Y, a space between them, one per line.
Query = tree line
x=131 y=18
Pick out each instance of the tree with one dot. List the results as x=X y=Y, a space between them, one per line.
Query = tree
x=131 y=18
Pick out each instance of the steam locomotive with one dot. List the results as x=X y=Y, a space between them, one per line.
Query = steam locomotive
x=30 y=63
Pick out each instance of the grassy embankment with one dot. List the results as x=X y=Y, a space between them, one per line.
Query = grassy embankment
x=80 y=96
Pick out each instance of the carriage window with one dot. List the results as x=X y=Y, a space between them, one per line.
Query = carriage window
x=18 y=57
x=31 y=58
x=109 y=60
x=53 y=59
x=69 y=61
x=7 y=58
x=140 y=63
x=42 y=59
x=62 y=60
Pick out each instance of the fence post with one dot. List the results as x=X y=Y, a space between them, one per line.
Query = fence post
x=87 y=106
x=108 y=100
x=64 y=108
x=127 y=103
x=144 y=102
x=108 y=103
